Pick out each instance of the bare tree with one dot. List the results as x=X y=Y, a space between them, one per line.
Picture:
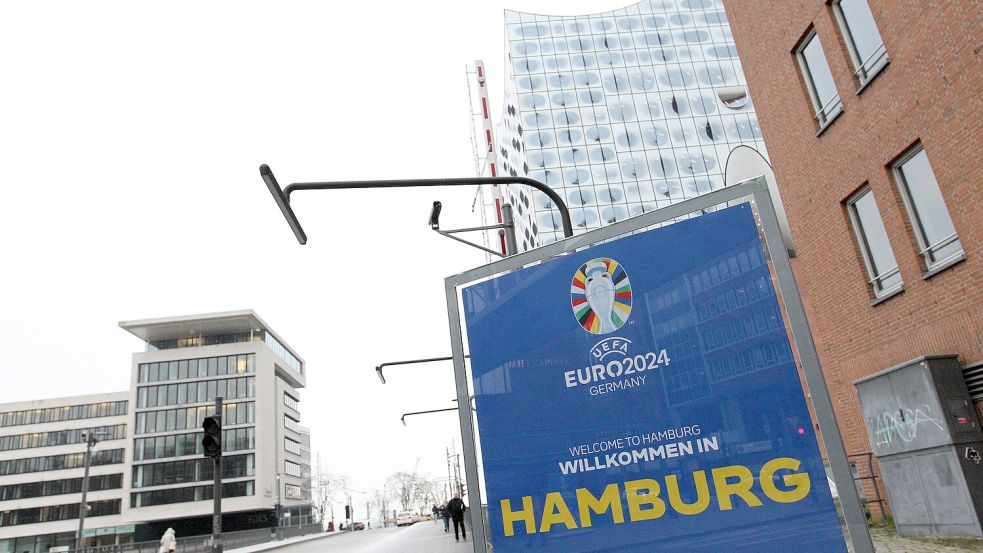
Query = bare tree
x=401 y=486
x=330 y=485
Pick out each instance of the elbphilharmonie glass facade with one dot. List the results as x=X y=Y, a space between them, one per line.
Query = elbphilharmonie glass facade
x=621 y=112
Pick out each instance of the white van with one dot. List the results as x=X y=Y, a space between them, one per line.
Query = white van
x=404 y=517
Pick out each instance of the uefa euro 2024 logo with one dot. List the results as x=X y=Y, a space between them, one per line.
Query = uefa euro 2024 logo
x=600 y=294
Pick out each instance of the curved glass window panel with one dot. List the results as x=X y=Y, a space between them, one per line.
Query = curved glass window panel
x=695 y=163
x=722 y=52
x=594 y=96
x=537 y=119
x=564 y=99
x=532 y=101
x=882 y=268
x=548 y=177
x=586 y=78
x=599 y=134
x=542 y=201
x=654 y=21
x=633 y=169
x=581 y=44
x=695 y=36
x=531 y=83
x=538 y=139
x=560 y=80
x=607 y=42
x=733 y=97
x=543 y=158
x=680 y=19
x=573 y=155
x=641 y=80
x=525 y=48
x=629 y=23
x=607 y=172
x=609 y=59
x=567 y=118
x=613 y=214
x=553 y=64
x=696 y=187
x=581 y=196
x=715 y=18
x=532 y=31
x=662 y=55
x=546 y=46
x=662 y=5
x=926 y=206
x=584 y=217
x=644 y=56
x=819 y=79
x=714 y=74
x=668 y=189
x=583 y=61
x=576 y=177
x=676 y=77
x=656 y=135
x=615 y=81
x=628 y=139
x=745 y=130
x=863 y=38
x=662 y=166
x=528 y=66
x=702 y=104
x=602 y=154
x=602 y=24
x=697 y=4
x=622 y=111
x=712 y=130
x=550 y=220
x=578 y=27
x=656 y=40
x=683 y=133
x=649 y=106
x=569 y=136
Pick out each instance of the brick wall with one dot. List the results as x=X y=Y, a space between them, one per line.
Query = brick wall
x=932 y=92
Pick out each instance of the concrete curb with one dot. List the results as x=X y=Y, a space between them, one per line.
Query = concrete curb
x=269 y=546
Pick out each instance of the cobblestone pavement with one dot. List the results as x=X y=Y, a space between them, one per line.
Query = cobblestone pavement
x=886 y=540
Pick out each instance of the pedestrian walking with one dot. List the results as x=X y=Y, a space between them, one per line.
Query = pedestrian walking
x=434 y=511
x=168 y=543
x=457 y=508
x=446 y=515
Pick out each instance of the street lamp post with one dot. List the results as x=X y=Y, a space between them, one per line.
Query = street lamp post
x=378 y=369
x=91 y=440
x=403 y=418
x=282 y=196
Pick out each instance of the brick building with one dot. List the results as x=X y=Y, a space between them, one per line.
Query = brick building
x=871 y=110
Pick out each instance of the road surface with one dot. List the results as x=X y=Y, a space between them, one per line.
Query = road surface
x=422 y=537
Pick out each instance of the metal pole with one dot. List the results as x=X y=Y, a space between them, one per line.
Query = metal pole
x=511 y=247
x=466 y=420
x=90 y=440
x=852 y=509
x=217 y=492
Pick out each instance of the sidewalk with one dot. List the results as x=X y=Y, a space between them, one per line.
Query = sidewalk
x=886 y=540
x=270 y=545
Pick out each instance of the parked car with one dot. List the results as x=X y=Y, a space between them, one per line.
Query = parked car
x=417 y=517
x=404 y=518
x=358 y=526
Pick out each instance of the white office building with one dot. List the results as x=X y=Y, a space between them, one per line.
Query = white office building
x=621 y=112
x=148 y=471
x=42 y=454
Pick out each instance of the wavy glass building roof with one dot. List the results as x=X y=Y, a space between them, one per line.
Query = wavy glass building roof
x=621 y=112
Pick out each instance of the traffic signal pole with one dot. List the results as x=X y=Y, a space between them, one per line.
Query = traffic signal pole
x=212 y=445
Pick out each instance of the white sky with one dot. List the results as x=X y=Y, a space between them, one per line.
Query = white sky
x=130 y=139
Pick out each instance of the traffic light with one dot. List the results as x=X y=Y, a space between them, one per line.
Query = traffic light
x=212 y=442
x=348 y=512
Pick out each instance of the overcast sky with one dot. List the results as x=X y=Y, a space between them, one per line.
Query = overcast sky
x=130 y=139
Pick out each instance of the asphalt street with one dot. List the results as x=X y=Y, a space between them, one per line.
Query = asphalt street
x=422 y=537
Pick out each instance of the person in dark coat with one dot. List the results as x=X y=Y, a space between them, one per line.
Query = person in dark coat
x=446 y=515
x=457 y=508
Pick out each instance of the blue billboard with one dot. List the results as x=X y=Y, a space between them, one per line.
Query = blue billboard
x=641 y=395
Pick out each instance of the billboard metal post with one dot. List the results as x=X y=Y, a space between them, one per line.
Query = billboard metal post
x=757 y=189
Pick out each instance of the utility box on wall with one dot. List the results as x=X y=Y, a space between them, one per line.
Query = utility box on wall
x=925 y=434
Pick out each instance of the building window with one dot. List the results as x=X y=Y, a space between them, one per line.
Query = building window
x=819 y=80
x=862 y=38
x=60 y=462
x=291 y=402
x=291 y=423
x=940 y=246
x=882 y=268
x=291 y=468
x=291 y=446
x=194 y=493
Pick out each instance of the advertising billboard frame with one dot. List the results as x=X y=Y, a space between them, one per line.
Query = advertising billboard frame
x=754 y=190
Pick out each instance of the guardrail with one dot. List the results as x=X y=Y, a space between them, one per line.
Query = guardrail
x=202 y=544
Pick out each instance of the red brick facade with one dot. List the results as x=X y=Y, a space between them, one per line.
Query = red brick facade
x=931 y=92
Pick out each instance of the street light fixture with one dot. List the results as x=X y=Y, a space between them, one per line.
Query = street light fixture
x=91 y=439
x=403 y=418
x=382 y=378
x=282 y=196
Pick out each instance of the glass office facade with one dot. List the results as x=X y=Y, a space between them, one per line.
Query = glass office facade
x=620 y=112
x=60 y=462
x=66 y=413
x=52 y=513
x=60 y=487
x=60 y=437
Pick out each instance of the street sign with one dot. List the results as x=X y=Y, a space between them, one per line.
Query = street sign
x=641 y=395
